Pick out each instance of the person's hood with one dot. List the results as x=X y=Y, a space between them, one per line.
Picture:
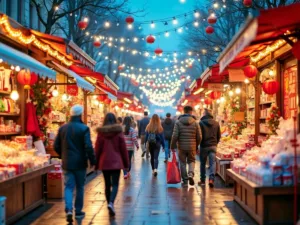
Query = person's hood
x=187 y=119
x=110 y=130
x=208 y=120
x=168 y=121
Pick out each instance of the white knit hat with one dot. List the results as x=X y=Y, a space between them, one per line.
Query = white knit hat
x=76 y=110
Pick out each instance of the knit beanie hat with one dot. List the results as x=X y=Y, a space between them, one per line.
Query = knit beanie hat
x=76 y=110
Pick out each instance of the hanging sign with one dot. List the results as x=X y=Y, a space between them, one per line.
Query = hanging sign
x=236 y=75
x=72 y=90
x=290 y=93
x=215 y=87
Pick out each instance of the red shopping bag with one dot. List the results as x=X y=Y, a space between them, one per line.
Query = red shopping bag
x=173 y=172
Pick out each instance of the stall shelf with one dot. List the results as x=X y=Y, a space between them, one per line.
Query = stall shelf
x=267 y=205
x=24 y=193
x=221 y=169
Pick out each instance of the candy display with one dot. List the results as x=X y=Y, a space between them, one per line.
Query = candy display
x=272 y=163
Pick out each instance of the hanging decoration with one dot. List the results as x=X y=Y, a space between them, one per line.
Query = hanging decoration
x=250 y=71
x=121 y=67
x=207 y=101
x=247 y=3
x=270 y=87
x=209 y=30
x=150 y=39
x=158 y=51
x=97 y=43
x=212 y=19
x=101 y=98
x=129 y=20
x=215 y=95
x=121 y=105
x=107 y=101
x=82 y=25
x=26 y=78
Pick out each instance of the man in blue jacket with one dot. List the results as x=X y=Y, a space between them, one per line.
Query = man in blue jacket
x=142 y=132
x=73 y=144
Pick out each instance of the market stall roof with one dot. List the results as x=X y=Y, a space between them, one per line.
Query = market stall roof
x=125 y=96
x=79 y=80
x=270 y=25
x=15 y=57
x=85 y=72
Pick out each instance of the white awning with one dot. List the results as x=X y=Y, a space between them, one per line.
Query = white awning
x=206 y=74
x=17 y=58
x=79 y=80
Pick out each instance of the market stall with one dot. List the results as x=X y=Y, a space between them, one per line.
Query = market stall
x=267 y=176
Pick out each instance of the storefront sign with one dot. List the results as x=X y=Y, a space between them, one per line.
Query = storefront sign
x=72 y=90
x=236 y=75
x=215 y=87
x=289 y=92
x=245 y=38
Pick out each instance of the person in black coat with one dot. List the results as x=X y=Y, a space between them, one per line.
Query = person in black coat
x=73 y=144
x=168 y=126
x=211 y=135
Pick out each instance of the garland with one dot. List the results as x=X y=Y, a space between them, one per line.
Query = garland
x=273 y=119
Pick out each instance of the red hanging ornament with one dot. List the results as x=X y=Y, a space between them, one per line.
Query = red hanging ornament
x=247 y=3
x=215 y=95
x=120 y=67
x=129 y=19
x=212 y=19
x=101 y=98
x=97 y=43
x=179 y=108
x=182 y=77
x=270 y=87
x=107 y=101
x=82 y=24
x=250 y=71
x=207 y=101
x=26 y=78
x=121 y=105
x=150 y=39
x=190 y=66
x=209 y=30
x=158 y=51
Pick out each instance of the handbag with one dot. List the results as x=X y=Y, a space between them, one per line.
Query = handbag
x=173 y=172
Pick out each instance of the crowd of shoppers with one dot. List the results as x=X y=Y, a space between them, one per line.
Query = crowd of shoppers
x=116 y=143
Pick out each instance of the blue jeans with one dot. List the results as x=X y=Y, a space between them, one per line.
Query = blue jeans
x=154 y=152
x=209 y=152
x=130 y=154
x=167 y=149
x=74 y=178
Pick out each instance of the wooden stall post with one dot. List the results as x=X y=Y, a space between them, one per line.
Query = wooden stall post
x=85 y=96
x=257 y=109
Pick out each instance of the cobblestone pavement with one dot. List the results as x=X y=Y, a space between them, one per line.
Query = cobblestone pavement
x=145 y=200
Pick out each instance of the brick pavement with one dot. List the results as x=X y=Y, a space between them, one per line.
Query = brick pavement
x=145 y=200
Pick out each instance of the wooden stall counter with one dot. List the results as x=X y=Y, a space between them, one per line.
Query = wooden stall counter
x=267 y=205
x=23 y=193
x=221 y=167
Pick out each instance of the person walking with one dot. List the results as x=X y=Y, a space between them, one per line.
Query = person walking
x=187 y=135
x=112 y=156
x=131 y=141
x=73 y=145
x=133 y=123
x=142 y=131
x=211 y=135
x=120 y=120
x=168 y=126
x=155 y=139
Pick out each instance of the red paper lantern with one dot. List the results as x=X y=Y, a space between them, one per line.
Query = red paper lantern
x=82 y=24
x=107 y=101
x=212 y=19
x=270 y=87
x=247 y=3
x=190 y=66
x=132 y=108
x=250 y=71
x=215 y=95
x=150 y=39
x=207 y=101
x=120 y=67
x=209 y=30
x=182 y=77
x=97 y=43
x=179 y=108
x=120 y=104
x=26 y=78
x=101 y=98
x=158 y=51
x=129 y=20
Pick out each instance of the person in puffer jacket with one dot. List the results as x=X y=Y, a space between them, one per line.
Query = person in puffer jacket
x=187 y=135
x=168 y=126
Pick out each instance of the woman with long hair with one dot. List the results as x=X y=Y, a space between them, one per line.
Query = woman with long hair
x=130 y=140
x=112 y=156
x=155 y=139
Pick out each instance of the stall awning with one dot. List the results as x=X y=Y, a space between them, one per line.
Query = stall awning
x=85 y=72
x=269 y=26
x=15 y=57
x=79 y=80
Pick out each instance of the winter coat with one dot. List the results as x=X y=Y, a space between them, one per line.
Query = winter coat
x=73 y=144
x=131 y=139
x=211 y=133
x=186 y=134
x=111 y=152
x=142 y=126
x=168 y=126
x=160 y=140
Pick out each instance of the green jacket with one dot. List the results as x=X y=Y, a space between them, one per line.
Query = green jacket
x=186 y=134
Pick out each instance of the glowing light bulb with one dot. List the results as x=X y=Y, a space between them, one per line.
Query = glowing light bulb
x=180 y=30
x=197 y=14
x=167 y=34
x=222 y=99
x=130 y=26
x=135 y=39
x=55 y=92
x=196 y=23
x=247 y=81
x=216 y=5
x=107 y=24
x=14 y=95
x=237 y=90
x=152 y=25
x=175 y=21
x=18 y=68
x=64 y=97
x=230 y=93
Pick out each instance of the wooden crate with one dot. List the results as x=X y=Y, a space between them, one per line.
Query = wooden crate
x=221 y=169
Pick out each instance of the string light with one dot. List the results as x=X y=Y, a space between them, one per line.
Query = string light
x=175 y=21
x=271 y=48
x=197 y=14
x=107 y=24
x=152 y=25
x=196 y=23
x=167 y=34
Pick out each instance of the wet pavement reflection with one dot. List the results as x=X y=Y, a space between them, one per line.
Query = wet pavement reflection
x=146 y=200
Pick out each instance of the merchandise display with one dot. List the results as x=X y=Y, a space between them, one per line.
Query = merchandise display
x=272 y=163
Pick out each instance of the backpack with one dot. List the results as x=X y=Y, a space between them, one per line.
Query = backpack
x=152 y=139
